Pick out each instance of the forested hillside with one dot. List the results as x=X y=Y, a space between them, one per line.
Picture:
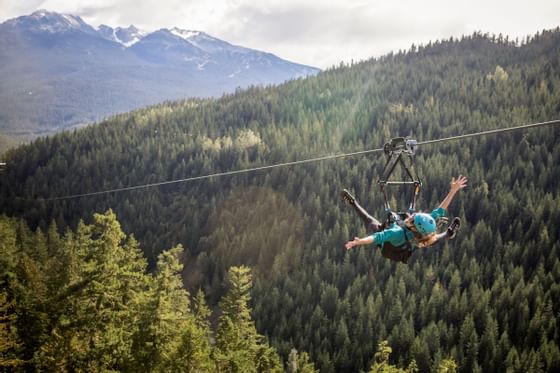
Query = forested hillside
x=489 y=300
x=84 y=302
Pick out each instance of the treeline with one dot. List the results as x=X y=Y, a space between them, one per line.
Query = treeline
x=84 y=302
x=488 y=300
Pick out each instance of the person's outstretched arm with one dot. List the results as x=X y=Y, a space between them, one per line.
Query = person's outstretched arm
x=456 y=185
x=358 y=241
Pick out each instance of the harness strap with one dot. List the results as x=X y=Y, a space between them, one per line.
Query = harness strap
x=398 y=253
x=395 y=150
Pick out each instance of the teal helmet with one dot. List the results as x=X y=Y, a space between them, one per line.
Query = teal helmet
x=424 y=223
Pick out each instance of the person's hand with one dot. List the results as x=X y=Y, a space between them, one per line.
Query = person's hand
x=458 y=184
x=351 y=244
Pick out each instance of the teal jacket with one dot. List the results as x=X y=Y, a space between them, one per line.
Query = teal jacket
x=399 y=236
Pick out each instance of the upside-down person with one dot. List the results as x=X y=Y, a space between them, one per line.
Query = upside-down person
x=402 y=237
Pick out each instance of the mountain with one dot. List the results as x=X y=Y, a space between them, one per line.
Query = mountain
x=59 y=72
x=125 y=36
x=489 y=299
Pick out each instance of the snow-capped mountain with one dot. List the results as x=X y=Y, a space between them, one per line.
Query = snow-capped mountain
x=207 y=42
x=125 y=36
x=165 y=47
x=51 y=22
x=57 y=71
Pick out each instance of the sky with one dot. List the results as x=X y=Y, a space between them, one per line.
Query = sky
x=320 y=33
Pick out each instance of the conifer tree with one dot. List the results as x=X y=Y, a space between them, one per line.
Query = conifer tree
x=9 y=343
x=299 y=363
x=240 y=347
x=182 y=344
x=447 y=366
x=103 y=296
x=201 y=311
x=381 y=361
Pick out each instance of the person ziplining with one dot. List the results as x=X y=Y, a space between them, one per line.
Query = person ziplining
x=418 y=230
x=403 y=233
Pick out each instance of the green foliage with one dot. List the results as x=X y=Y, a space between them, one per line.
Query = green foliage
x=102 y=311
x=447 y=366
x=240 y=347
x=104 y=293
x=9 y=343
x=168 y=337
x=299 y=363
x=489 y=300
x=381 y=361
x=256 y=227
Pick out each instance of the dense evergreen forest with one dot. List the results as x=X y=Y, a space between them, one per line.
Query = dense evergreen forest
x=489 y=301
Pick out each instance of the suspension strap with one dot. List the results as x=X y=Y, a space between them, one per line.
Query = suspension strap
x=396 y=151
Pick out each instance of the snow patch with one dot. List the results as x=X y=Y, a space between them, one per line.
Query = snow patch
x=41 y=13
x=201 y=65
x=71 y=20
x=184 y=34
x=135 y=36
x=131 y=42
x=116 y=37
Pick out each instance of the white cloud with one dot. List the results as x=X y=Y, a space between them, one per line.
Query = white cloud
x=320 y=32
x=14 y=8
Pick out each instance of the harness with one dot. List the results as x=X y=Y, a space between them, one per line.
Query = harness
x=395 y=150
x=397 y=253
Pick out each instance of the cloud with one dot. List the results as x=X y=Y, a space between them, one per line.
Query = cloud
x=14 y=8
x=358 y=31
x=321 y=32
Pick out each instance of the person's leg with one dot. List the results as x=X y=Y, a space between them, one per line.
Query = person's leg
x=372 y=224
x=451 y=231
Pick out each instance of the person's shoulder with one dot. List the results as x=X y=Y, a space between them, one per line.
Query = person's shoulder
x=438 y=212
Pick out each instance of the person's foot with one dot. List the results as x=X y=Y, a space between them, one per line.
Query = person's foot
x=453 y=228
x=347 y=197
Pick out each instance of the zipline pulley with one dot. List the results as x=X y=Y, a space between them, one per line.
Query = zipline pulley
x=400 y=145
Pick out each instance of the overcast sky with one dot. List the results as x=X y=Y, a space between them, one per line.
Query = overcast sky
x=320 y=33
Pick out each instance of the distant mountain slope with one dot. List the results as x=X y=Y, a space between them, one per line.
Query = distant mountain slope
x=57 y=71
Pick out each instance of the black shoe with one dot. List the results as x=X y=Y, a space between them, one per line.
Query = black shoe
x=347 y=197
x=453 y=228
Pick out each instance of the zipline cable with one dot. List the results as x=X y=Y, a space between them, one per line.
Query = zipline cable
x=285 y=164
x=227 y=173
x=490 y=132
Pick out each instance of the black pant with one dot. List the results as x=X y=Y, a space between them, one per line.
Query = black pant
x=372 y=224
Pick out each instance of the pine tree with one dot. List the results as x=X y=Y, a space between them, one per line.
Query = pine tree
x=9 y=343
x=299 y=363
x=447 y=366
x=240 y=347
x=201 y=311
x=97 y=310
x=468 y=344
x=381 y=361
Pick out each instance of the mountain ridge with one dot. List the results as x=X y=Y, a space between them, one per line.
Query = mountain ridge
x=59 y=72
